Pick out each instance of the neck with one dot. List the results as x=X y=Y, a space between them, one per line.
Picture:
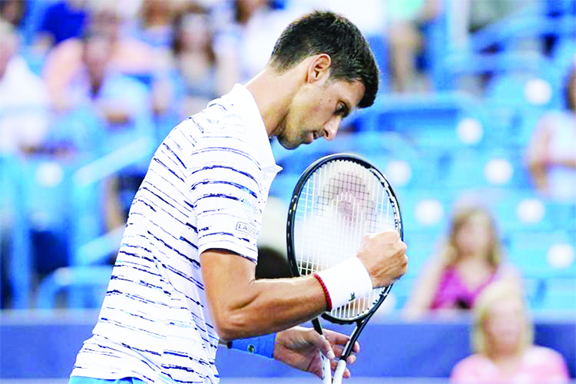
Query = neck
x=504 y=354
x=273 y=93
x=474 y=255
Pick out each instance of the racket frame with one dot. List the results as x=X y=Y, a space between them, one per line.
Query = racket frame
x=362 y=319
x=292 y=216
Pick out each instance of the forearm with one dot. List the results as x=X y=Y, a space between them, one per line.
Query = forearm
x=271 y=305
x=539 y=177
x=242 y=306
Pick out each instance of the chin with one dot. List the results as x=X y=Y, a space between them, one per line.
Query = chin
x=288 y=144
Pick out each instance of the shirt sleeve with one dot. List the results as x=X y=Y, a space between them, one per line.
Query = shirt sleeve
x=226 y=195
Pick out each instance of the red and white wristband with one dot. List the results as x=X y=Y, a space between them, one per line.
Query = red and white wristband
x=344 y=282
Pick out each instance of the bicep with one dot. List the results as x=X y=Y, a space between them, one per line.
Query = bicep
x=226 y=274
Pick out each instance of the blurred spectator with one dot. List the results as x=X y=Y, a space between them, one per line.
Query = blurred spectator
x=24 y=101
x=485 y=12
x=62 y=20
x=503 y=342
x=121 y=107
x=195 y=62
x=241 y=46
x=155 y=21
x=551 y=155
x=14 y=12
x=470 y=260
x=128 y=55
x=190 y=80
x=406 y=32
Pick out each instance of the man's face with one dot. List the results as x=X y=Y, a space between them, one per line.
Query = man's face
x=317 y=111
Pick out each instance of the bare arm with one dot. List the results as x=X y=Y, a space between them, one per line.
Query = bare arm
x=425 y=288
x=242 y=306
x=537 y=155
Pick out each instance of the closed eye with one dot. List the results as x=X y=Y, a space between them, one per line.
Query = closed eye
x=342 y=110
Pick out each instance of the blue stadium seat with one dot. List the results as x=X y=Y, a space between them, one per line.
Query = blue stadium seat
x=529 y=251
x=46 y=199
x=87 y=284
x=465 y=170
x=521 y=210
x=380 y=50
x=15 y=247
x=426 y=211
x=559 y=295
x=564 y=52
x=401 y=292
x=523 y=91
x=422 y=246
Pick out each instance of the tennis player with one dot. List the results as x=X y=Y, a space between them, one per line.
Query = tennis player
x=184 y=279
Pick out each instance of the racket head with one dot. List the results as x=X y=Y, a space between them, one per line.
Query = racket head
x=337 y=200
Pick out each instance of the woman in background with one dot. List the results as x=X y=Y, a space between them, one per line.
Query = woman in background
x=551 y=155
x=470 y=260
x=503 y=342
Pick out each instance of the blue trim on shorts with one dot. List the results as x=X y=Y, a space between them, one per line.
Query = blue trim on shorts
x=90 y=380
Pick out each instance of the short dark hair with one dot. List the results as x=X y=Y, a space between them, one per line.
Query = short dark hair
x=327 y=32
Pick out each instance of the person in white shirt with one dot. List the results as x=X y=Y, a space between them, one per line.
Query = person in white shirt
x=24 y=102
x=184 y=279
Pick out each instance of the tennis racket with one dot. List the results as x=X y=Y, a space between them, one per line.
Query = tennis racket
x=337 y=200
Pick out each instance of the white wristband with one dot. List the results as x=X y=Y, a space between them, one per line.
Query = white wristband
x=346 y=281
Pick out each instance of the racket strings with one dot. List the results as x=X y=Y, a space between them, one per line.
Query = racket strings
x=338 y=205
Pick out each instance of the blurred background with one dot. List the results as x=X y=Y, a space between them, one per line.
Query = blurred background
x=477 y=108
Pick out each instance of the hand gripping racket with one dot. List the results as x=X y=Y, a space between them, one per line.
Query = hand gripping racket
x=337 y=200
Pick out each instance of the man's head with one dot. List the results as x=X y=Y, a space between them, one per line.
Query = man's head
x=340 y=74
x=334 y=35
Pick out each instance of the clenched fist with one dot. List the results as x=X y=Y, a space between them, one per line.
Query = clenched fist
x=384 y=256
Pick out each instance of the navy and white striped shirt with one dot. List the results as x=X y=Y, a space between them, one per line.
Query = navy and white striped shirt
x=206 y=187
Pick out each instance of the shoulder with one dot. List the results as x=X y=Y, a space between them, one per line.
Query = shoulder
x=509 y=271
x=543 y=355
x=470 y=365
x=551 y=121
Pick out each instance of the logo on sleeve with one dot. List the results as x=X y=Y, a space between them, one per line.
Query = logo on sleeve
x=246 y=228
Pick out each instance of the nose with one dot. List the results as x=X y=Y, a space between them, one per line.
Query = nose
x=331 y=128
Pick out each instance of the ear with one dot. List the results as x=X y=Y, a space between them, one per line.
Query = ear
x=319 y=68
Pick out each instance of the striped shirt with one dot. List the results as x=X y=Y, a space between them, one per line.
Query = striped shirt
x=206 y=188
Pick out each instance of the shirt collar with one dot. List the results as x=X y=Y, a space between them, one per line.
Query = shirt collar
x=247 y=108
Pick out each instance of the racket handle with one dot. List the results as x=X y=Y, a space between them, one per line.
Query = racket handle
x=339 y=373
x=326 y=369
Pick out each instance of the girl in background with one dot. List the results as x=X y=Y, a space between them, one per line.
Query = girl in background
x=470 y=260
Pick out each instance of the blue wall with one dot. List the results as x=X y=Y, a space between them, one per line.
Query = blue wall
x=36 y=345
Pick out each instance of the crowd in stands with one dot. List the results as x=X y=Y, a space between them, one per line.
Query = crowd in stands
x=82 y=79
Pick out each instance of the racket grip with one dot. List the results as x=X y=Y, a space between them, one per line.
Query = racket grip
x=326 y=369
x=339 y=373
